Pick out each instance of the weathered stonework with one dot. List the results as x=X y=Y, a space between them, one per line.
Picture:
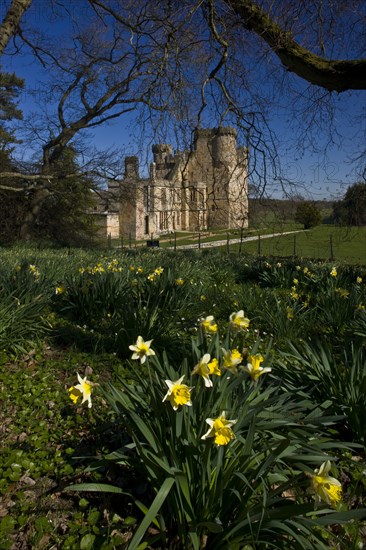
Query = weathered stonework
x=205 y=188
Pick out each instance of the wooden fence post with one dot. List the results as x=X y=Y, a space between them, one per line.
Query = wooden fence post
x=331 y=247
x=259 y=244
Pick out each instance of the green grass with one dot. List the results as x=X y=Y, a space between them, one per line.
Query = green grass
x=349 y=244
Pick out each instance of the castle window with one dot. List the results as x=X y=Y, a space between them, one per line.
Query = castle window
x=148 y=203
x=163 y=220
x=193 y=194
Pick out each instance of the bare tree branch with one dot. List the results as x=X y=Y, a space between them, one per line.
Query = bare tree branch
x=332 y=75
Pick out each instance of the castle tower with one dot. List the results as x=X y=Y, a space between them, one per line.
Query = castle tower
x=224 y=147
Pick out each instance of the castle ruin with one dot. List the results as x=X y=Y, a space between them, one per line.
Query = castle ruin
x=197 y=190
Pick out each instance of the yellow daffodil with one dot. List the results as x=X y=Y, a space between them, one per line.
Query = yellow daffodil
x=83 y=389
x=141 y=349
x=333 y=273
x=140 y=269
x=203 y=370
x=344 y=293
x=214 y=367
x=326 y=488
x=360 y=307
x=359 y=280
x=232 y=359
x=306 y=270
x=159 y=270
x=290 y=313
x=178 y=394
x=151 y=277
x=220 y=429
x=239 y=321
x=34 y=270
x=254 y=369
x=179 y=282
x=208 y=324
x=60 y=290
x=294 y=294
x=296 y=281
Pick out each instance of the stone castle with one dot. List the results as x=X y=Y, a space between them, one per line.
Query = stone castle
x=197 y=190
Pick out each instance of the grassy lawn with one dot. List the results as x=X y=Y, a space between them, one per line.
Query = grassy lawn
x=349 y=244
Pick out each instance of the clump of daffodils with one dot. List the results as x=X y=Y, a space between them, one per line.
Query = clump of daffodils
x=141 y=349
x=178 y=394
x=238 y=321
x=209 y=324
x=220 y=429
x=326 y=488
x=81 y=390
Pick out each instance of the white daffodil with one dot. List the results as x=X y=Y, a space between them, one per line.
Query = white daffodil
x=178 y=394
x=141 y=349
x=83 y=389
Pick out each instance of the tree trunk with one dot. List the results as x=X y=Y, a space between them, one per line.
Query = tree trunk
x=27 y=228
x=11 y=21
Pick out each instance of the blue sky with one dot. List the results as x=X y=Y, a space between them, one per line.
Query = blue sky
x=319 y=174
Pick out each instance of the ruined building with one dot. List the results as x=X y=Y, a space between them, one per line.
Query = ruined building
x=205 y=188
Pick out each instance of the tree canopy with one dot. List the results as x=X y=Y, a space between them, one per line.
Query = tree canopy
x=179 y=65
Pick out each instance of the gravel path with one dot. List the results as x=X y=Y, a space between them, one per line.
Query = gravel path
x=233 y=241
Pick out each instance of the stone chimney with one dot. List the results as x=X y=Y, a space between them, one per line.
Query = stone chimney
x=132 y=167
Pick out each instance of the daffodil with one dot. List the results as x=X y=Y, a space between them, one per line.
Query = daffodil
x=232 y=359
x=34 y=270
x=178 y=394
x=333 y=272
x=206 y=367
x=220 y=429
x=60 y=290
x=159 y=270
x=83 y=389
x=179 y=282
x=141 y=349
x=344 y=293
x=359 y=280
x=214 y=367
x=208 y=324
x=253 y=368
x=326 y=488
x=239 y=321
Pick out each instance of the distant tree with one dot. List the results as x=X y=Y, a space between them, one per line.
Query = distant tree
x=351 y=210
x=308 y=214
x=65 y=216
x=10 y=88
